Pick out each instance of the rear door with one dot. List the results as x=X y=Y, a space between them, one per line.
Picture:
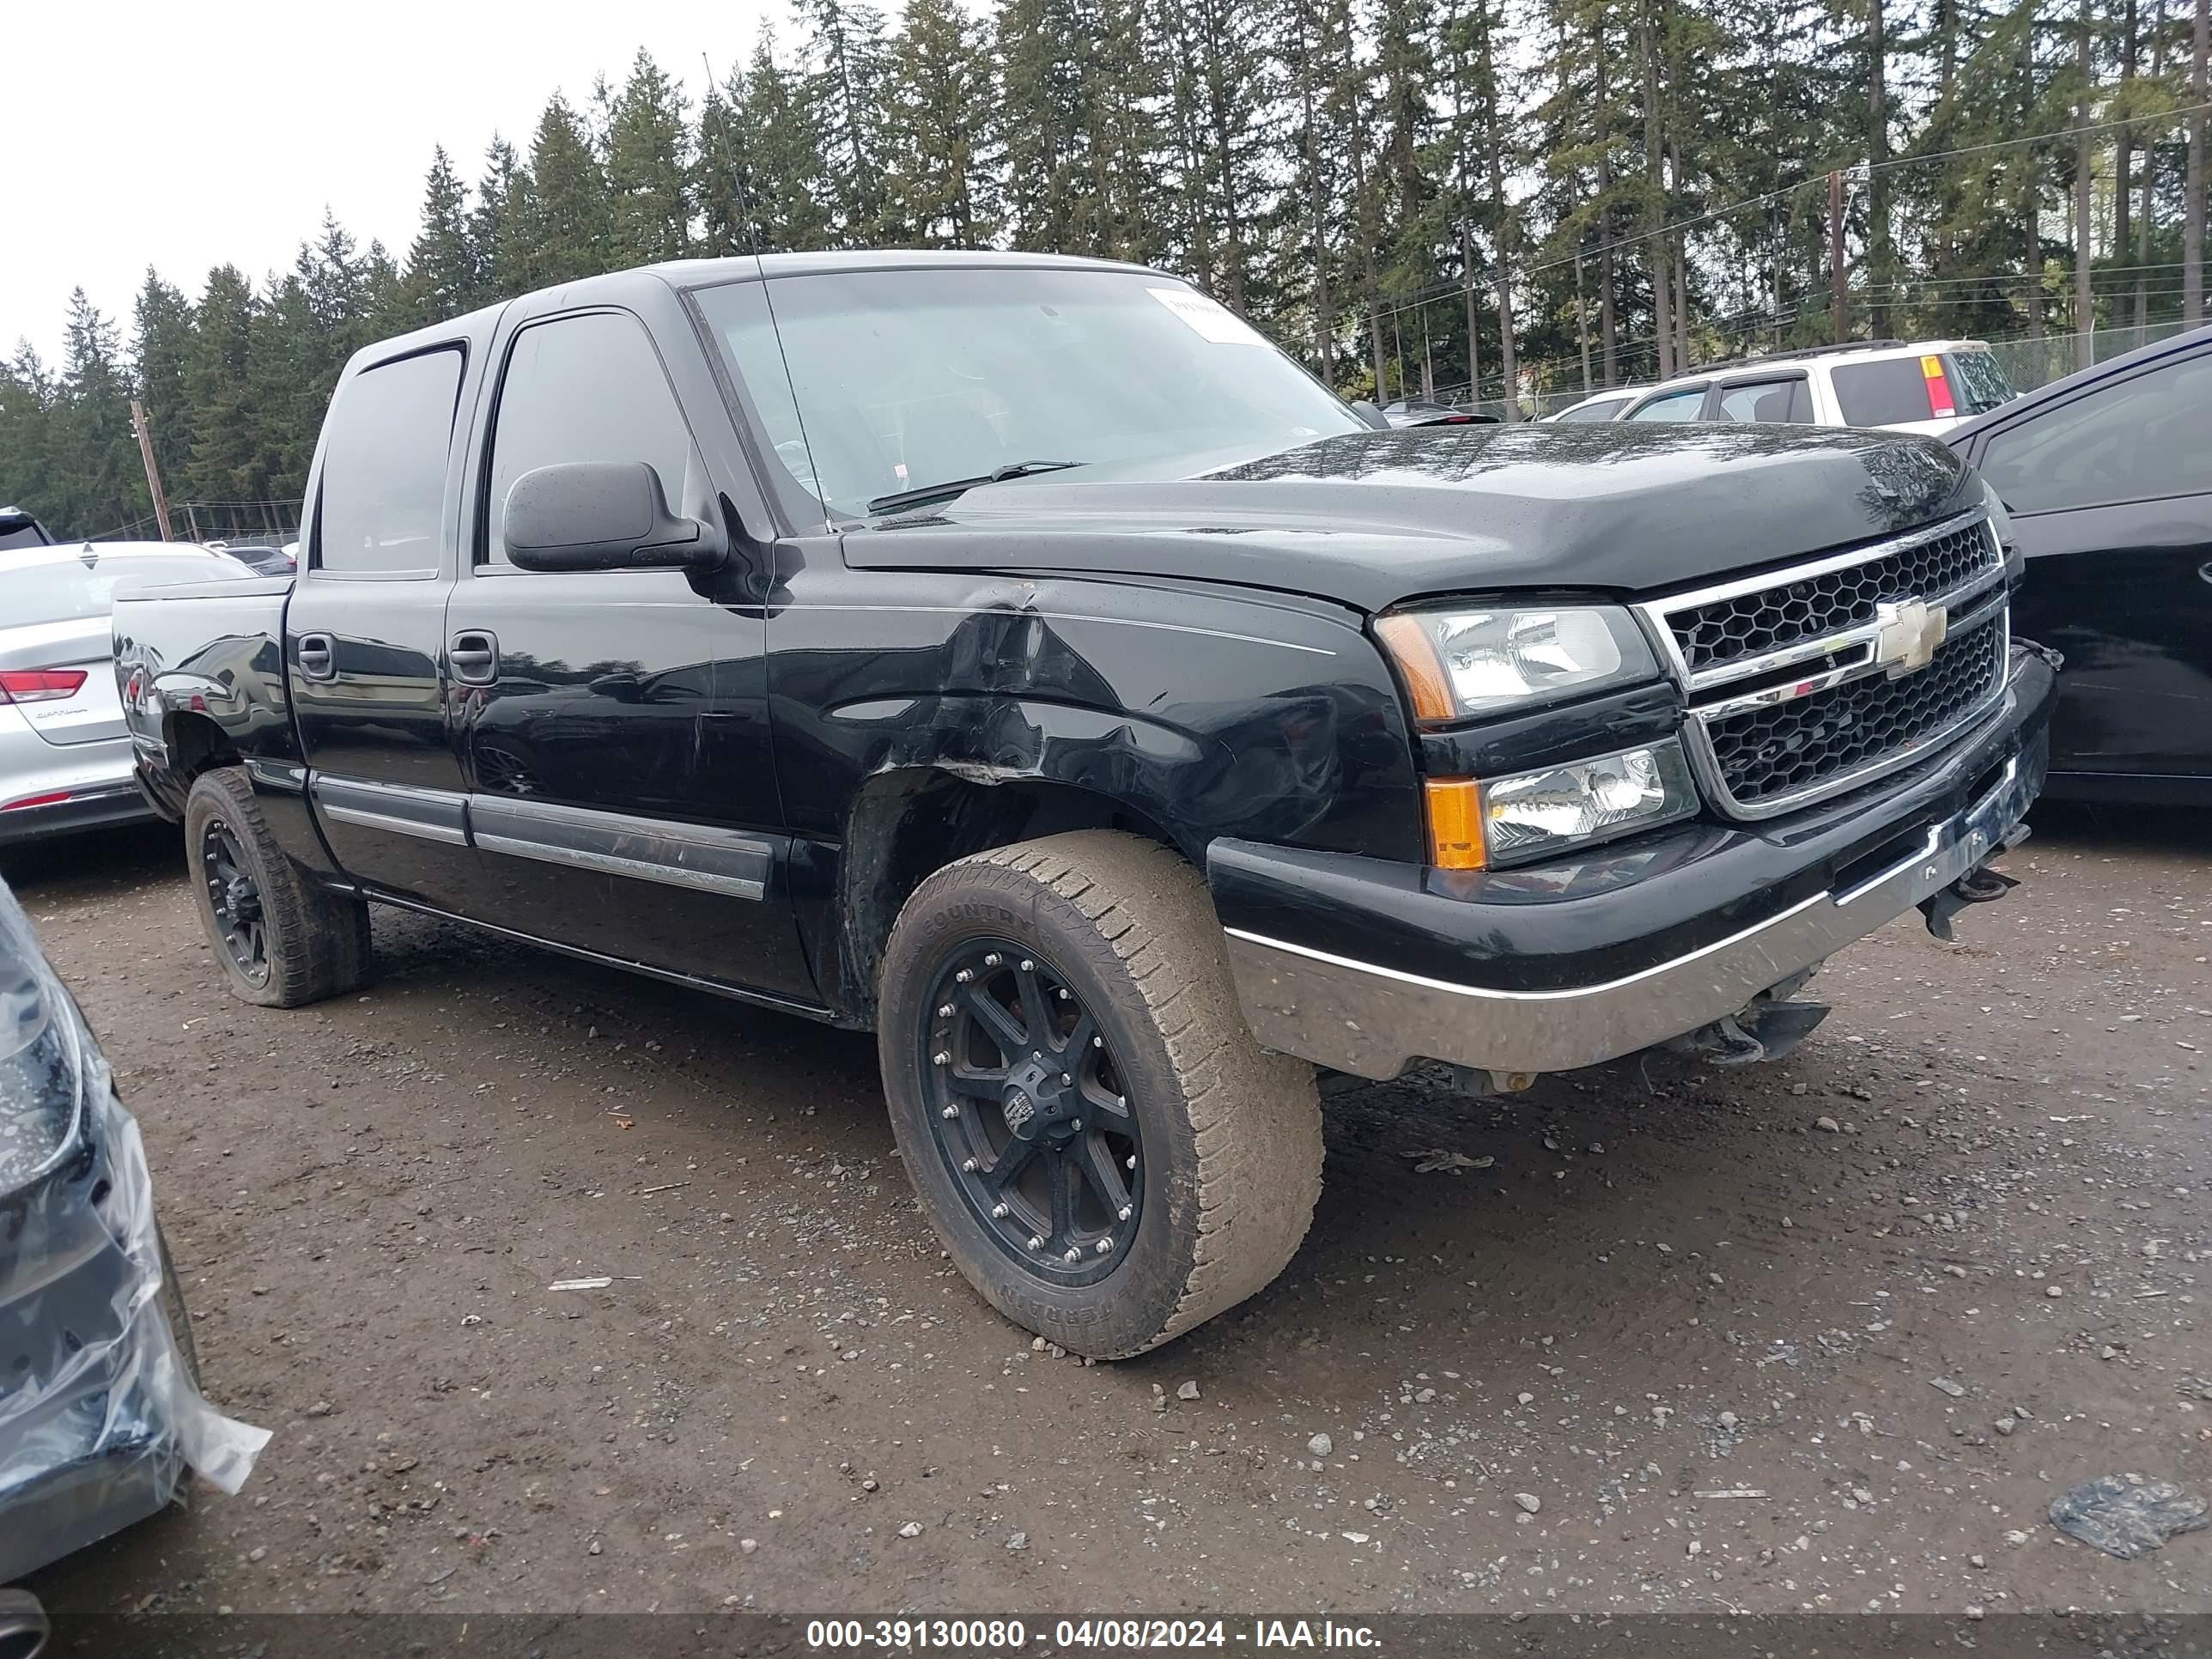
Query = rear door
x=365 y=631
x=613 y=724
x=2110 y=494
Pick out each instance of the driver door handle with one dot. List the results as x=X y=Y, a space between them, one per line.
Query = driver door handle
x=474 y=655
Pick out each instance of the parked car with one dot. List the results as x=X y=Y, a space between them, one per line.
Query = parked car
x=1930 y=385
x=2107 y=475
x=101 y=1410
x=1420 y=411
x=1021 y=656
x=19 y=529
x=65 y=761
x=1607 y=405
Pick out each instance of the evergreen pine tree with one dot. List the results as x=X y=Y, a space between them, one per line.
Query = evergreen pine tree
x=441 y=266
x=648 y=168
x=569 y=232
x=939 y=99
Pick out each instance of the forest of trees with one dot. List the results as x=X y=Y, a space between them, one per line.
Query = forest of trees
x=1545 y=193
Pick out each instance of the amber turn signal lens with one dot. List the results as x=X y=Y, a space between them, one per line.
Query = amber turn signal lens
x=1456 y=824
x=1415 y=653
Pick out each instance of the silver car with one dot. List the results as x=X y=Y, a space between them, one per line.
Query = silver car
x=65 y=757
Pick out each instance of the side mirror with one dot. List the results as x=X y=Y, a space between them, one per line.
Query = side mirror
x=604 y=515
x=1368 y=412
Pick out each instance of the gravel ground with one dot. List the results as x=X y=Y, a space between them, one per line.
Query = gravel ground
x=1828 y=1334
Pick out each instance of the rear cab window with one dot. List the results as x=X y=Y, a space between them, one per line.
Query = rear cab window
x=383 y=499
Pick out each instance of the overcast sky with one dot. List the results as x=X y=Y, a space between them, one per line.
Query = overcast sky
x=184 y=136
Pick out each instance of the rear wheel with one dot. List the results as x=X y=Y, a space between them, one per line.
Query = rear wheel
x=280 y=941
x=1106 y=1153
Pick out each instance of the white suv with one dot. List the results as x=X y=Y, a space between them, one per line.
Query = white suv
x=1927 y=386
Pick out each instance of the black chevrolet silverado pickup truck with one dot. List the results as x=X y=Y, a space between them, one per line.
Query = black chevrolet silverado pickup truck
x=1021 y=656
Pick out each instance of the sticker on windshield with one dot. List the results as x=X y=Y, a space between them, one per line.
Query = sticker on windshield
x=1207 y=318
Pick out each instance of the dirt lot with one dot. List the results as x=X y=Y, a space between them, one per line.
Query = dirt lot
x=1675 y=1346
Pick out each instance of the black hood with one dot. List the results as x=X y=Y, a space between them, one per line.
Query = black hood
x=1369 y=518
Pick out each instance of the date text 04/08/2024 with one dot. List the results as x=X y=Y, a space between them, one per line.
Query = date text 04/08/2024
x=1012 y=1635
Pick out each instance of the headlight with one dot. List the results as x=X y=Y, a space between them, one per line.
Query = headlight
x=1477 y=660
x=37 y=1080
x=2000 y=520
x=1478 y=822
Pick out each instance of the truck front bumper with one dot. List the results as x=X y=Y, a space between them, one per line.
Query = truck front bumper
x=1364 y=966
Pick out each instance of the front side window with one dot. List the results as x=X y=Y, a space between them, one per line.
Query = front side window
x=1604 y=409
x=384 y=467
x=584 y=388
x=902 y=379
x=2139 y=439
x=1766 y=400
x=1673 y=406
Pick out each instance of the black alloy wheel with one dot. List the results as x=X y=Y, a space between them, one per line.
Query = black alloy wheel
x=1030 y=1113
x=235 y=898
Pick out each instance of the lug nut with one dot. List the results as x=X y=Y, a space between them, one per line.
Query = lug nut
x=942 y=1057
x=964 y=975
x=1131 y=1160
x=1125 y=1213
x=1073 y=1257
x=998 y=1213
x=993 y=960
x=1075 y=1123
x=1098 y=1043
x=949 y=1112
x=1063 y=993
x=1036 y=1244
x=946 y=1012
x=1105 y=1247
x=969 y=1165
x=1028 y=966
x=1067 y=1077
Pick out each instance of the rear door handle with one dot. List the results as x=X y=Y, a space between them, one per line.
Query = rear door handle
x=313 y=653
x=474 y=657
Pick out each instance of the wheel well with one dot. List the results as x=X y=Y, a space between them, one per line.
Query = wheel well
x=908 y=824
x=196 y=743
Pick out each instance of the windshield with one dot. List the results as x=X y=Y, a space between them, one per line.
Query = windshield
x=64 y=591
x=899 y=379
x=1979 y=381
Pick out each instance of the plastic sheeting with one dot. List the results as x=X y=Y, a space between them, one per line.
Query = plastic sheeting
x=99 y=1410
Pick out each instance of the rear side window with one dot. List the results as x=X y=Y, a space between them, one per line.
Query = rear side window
x=1674 y=406
x=2137 y=440
x=1766 y=400
x=1896 y=390
x=587 y=388
x=384 y=467
x=1604 y=410
x=68 y=592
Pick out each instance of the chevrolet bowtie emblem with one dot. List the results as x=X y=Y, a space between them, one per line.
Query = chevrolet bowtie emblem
x=1910 y=631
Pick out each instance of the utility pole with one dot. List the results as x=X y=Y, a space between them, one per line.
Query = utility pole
x=153 y=472
x=2085 y=293
x=1841 y=300
x=1474 y=344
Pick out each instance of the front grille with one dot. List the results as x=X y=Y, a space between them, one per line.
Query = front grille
x=1780 y=749
x=1743 y=625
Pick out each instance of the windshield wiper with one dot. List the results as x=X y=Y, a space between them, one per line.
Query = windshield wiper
x=935 y=492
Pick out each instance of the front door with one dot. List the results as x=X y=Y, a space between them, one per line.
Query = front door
x=613 y=724
x=2111 y=493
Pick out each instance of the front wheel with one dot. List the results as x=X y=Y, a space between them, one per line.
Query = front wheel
x=1108 y=1155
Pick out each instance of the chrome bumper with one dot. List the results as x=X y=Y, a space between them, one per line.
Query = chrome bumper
x=1373 y=1021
